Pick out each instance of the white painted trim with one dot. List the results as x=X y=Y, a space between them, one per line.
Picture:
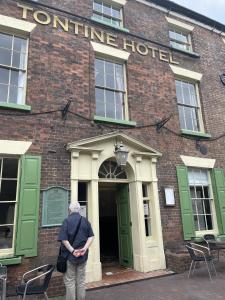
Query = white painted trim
x=179 y=24
x=9 y=23
x=120 y=2
x=182 y=17
x=14 y=147
x=110 y=51
x=186 y=73
x=191 y=161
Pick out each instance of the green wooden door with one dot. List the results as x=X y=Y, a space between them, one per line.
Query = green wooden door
x=124 y=226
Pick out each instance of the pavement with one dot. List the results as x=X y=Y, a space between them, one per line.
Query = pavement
x=172 y=287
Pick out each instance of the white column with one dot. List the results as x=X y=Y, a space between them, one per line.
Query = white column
x=74 y=175
x=138 y=230
x=94 y=269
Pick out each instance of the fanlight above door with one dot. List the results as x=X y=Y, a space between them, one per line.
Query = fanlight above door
x=110 y=170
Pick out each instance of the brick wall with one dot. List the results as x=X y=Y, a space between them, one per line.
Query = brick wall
x=61 y=67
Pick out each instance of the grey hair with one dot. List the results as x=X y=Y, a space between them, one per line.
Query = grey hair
x=74 y=207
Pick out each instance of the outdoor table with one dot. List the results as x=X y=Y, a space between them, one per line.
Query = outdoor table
x=3 y=278
x=217 y=244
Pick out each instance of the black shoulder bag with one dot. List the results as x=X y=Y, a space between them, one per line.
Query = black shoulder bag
x=61 y=260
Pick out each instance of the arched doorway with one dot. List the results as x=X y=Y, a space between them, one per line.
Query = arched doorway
x=114 y=215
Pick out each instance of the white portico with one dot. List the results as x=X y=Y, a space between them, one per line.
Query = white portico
x=142 y=249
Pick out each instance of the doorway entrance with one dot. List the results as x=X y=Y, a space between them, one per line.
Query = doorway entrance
x=115 y=225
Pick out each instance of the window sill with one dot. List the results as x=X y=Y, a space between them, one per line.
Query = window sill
x=195 y=133
x=11 y=261
x=108 y=24
x=119 y=122
x=15 y=106
x=190 y=53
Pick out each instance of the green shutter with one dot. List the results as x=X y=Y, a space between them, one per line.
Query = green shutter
x=27 y=226
x=185 y=203
x=218 y=184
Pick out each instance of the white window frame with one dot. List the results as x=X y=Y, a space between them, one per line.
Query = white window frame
x=13 y=149
x=9 y=252
x=11 y=68
x=197 y=107
x=147 y=206
x=124 y=104
x=20 y=28
x=182 y=28
x=183 y=46
x=191 y=77
x=214 y=229
x=116 y=4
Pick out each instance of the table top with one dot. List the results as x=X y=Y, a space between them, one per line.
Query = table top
x=217 y=241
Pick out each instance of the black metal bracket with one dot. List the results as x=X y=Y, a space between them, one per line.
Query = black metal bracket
x=161 y=123
x=65 y=110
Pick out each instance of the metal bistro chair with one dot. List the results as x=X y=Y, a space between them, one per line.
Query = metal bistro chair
x=213 y=246
x=31 y=287
x=198 y=255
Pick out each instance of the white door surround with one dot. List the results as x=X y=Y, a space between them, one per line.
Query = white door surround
x=87 y=155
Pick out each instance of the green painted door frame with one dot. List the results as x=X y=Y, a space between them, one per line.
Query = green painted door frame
x=124 y=226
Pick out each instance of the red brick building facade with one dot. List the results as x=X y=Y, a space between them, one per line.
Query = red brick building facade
x=143 y=72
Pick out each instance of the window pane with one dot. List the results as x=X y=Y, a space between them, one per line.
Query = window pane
x=119 y=77
x=193 y=97
x=199 y=192
x=97 y=16
x=3 y=92
x=6 y=41
x=202 y=223
x=109 y=67
x=207 y=207
x=17 y=78
x=97 y=6
x=116 y=13
x=192 y=191
x=8 y=190
x=99 y=72
x=4 y=76
x=19 y=45
x=179 y=92
x=107 y=9
x=108 y=20
x=7 y=213
x=13 y=94
x=100 y=105
x=200 y=208
x=10 y=168
x=6 y=236
x=182 y=117
x=115 y=23
x=186 y=94
x=209 y=222
x=119 y=106
x=110 y=82
x=172 y=34
x=194 y=207
x=5 y=57
x=110 y=105
x=18 y=60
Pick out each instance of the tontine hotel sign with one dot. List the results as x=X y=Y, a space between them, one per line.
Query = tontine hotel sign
x=89 y=32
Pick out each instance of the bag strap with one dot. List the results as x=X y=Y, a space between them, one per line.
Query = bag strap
x=76 y=231
x=74 y=236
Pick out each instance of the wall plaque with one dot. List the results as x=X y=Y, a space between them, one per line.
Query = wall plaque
x=55 y=206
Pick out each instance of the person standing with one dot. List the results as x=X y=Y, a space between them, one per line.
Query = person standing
x=74 y=277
